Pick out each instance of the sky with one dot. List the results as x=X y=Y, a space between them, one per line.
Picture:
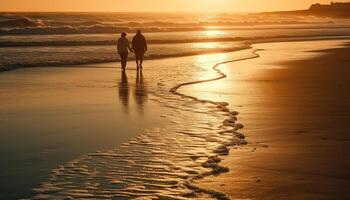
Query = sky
x=157 y=5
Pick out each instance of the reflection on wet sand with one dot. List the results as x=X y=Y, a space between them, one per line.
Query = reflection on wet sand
x=123 y=87
x=140 y=92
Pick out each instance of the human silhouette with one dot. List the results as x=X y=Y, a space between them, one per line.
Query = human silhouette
x=139 y=45
x=124 y=91
x=123 y=45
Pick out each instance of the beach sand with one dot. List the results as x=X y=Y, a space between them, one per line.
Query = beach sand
x=50 y=116
x=294 y=103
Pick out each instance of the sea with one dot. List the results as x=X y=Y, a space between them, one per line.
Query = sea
x=58 y=39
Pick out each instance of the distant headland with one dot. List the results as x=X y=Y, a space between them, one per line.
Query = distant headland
x=334 y=9
x=330 y=7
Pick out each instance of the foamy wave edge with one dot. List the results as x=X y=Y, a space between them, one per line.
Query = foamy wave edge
x=213 y=162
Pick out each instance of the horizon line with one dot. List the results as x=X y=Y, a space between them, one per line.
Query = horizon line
x=161 y=12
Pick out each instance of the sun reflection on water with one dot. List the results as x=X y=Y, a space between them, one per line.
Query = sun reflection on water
x=210 y=59
x=207 y=62
x=213 y=33
x=206 y=45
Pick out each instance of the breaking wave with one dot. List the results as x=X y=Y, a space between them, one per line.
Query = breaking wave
x=83 y=29
x=21 y=22
x=75 y=23
x=30 y=27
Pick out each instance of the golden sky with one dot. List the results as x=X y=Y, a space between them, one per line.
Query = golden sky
x=157 y=5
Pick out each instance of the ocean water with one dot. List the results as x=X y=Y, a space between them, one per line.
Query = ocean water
x=122 y=160
x=52 y=39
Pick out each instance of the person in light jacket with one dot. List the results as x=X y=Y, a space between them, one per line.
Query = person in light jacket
x=123 y=46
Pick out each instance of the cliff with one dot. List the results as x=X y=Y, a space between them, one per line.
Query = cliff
x=338 y=7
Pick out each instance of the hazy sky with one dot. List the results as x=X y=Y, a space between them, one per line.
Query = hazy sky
x=157 y=5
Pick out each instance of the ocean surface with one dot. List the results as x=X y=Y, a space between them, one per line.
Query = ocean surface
x=51 y=39
x=74 y=131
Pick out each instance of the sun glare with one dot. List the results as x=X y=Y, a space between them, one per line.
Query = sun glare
x=212 y=33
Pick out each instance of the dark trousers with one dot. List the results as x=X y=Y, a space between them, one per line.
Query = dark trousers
x=123 y=59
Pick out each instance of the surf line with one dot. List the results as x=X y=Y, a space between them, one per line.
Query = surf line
x=223 y=150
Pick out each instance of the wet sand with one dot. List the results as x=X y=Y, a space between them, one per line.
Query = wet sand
x=294 y=103
x=50 y=116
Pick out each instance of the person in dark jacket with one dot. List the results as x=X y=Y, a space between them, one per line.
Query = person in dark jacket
x=139 y=46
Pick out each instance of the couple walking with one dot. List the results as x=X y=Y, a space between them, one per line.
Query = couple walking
x=138 y=46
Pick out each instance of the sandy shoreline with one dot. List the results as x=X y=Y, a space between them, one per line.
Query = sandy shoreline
x=294 y=105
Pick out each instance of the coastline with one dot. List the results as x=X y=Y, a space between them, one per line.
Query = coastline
x=295 y=114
